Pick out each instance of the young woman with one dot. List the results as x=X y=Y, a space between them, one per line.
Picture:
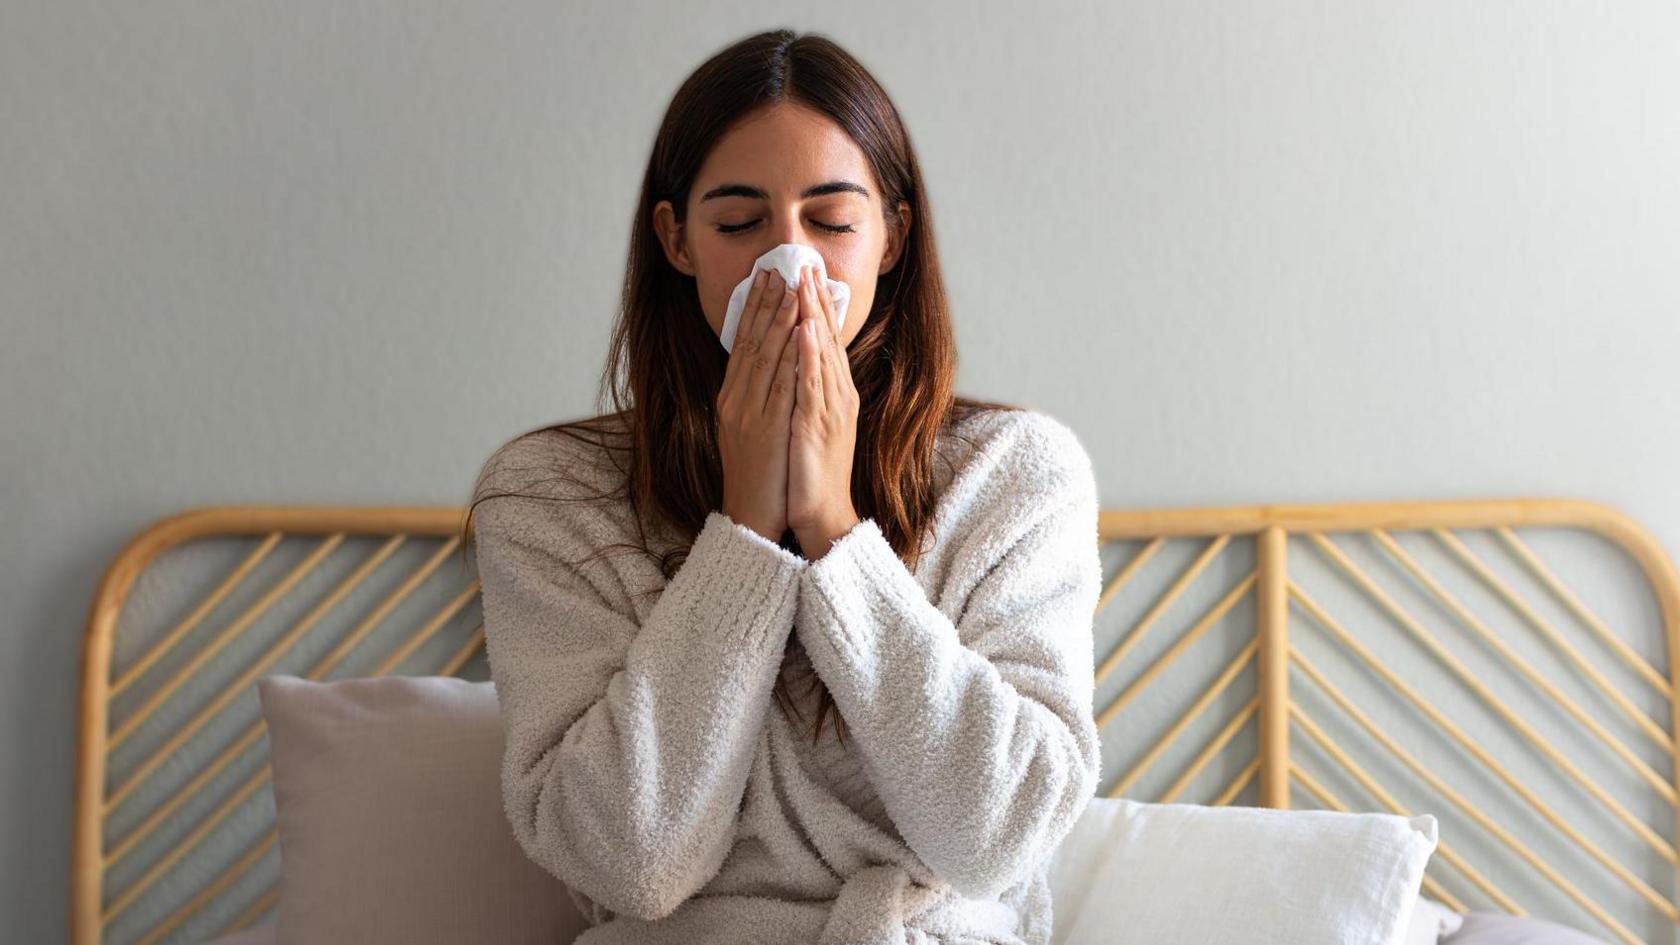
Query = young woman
x=807 y=527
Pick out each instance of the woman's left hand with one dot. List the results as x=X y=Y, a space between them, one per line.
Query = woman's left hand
x=824 y=429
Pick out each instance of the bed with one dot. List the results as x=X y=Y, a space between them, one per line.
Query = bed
x=1401 y=657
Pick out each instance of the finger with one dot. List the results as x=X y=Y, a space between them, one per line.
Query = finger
x=812 y=397
x=822 y=367
x=739 y=350
x=829 y=355
x=816 y=293
x=823 y=325
x=769 y=302
x=842 y=361
x=830 y=316
x=783 y=397
x=769 y=363
x=832 y=355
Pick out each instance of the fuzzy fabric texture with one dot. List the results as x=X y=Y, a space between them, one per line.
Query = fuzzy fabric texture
x=648 y=766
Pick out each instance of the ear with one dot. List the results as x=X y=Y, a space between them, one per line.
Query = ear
x=671 y=239
x=897 y=237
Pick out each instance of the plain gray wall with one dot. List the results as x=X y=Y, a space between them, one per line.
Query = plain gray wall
x=1252 y=252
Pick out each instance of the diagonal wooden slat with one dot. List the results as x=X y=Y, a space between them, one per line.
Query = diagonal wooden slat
x=217 y=594
x=1391 y=804
x=1511 y=718
x=374 y=618
x=1637 y=663
x=428 y=629
x=1209 y=750
x=230 y=633
x=1242 y=659
x=1184 y=580
x=1457 y=734
x=1213 y=616
x=210 y=892
x=1608 y=689
x=254 y=911
x=1239 y=782
x=1487 y=823
x=1128 y=572
x=1515 y=659
x=279 y=648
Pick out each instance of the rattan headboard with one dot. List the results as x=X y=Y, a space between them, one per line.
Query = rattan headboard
x=174 y=837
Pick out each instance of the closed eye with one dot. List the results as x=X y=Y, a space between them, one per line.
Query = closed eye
x=741 y=227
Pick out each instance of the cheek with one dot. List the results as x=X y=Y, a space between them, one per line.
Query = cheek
x=849 y=263
x=861 y=282
x=858 y=280
x=718 y=269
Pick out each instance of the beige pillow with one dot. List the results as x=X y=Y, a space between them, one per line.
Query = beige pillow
x=388 y=799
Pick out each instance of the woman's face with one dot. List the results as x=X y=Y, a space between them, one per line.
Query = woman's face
x=785 y=174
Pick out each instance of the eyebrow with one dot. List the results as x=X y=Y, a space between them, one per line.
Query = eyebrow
x=759 y=193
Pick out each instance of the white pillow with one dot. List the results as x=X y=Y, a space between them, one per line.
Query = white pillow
x=1431 y=920
x=1189 y=874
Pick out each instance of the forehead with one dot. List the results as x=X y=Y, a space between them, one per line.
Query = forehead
x=784 y=149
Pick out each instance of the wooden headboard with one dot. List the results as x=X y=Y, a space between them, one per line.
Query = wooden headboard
x=1376 y=644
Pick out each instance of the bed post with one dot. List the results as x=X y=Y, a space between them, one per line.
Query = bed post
x=1272 y=682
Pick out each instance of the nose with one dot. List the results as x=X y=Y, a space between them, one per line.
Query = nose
x=784 y=228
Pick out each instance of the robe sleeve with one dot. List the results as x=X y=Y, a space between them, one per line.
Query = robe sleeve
x=979 y=732
x=628 y=742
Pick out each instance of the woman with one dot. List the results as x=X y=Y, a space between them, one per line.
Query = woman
x=809 y=526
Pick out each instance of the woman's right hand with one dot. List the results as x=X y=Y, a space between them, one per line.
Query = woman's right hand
x=755 y=408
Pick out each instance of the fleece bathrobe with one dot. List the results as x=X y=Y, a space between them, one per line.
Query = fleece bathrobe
x=649 y=767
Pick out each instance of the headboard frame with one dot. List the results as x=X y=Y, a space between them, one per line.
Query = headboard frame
x=1273 y=652
x=172 y=762
x=93 y=906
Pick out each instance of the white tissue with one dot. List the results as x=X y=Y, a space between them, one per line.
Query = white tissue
x=785 y=259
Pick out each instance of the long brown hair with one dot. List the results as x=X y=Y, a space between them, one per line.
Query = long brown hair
x=665 y=366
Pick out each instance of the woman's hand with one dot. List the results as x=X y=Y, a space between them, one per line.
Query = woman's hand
x=824 y=426
x=755 y=408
